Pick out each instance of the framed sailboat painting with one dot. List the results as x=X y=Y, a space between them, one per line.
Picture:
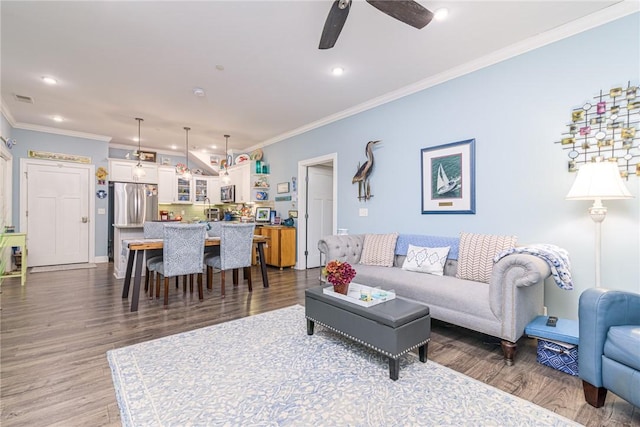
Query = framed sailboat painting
x=448 y=178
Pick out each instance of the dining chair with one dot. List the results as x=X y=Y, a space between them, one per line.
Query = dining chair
x=182 y=254
x=213 y=230
x=152 y=230
x=236 y=246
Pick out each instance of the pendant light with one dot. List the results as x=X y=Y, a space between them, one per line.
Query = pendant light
x=139 y=170
x=226 y=179
x=187 y=172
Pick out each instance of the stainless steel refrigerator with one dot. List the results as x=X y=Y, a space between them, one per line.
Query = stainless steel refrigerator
x=130 y=205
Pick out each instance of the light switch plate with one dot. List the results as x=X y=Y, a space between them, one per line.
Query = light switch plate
x=364 y=212
x=102 y=211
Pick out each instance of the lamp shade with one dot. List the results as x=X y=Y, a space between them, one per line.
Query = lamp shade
x=598 y=181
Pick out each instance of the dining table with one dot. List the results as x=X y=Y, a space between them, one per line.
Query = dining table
x=137 y=248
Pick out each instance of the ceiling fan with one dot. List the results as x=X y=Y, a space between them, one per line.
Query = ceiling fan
x=407 y=11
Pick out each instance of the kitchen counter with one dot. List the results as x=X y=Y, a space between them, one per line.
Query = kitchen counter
x=120 y=252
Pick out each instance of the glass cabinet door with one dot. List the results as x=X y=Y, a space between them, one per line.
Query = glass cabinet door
x=200 y=189
x=184 y=190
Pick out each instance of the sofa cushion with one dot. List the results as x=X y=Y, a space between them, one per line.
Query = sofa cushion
x=378 y=249
x=623 y=345
x=426 y=260
x=404 y=240
x=475 y=259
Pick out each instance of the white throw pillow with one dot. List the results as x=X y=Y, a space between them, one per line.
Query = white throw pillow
x=379 y=249
x=426 y=260
x=475 y=259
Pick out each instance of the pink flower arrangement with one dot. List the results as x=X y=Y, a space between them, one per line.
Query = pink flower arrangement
x=339 y=273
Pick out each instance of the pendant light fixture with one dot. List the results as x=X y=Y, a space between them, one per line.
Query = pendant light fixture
x=139 y=170
x=187 y=172
x=226 y=179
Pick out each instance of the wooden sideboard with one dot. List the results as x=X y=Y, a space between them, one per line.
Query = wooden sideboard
x=281 y=247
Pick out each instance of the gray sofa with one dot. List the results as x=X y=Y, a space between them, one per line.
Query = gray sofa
x=501 y=308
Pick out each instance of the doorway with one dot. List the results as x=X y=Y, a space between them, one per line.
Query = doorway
x=56 y=211
x=317 y=206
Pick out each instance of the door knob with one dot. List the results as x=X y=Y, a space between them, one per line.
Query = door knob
x=85 y=219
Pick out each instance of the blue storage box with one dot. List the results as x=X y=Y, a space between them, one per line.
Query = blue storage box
x=557 y=346
x=558 y=356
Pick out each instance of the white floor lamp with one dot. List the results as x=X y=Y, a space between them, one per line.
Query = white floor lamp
x=597 y=181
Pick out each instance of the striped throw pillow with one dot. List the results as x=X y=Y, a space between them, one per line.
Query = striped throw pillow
x=379 y=249
x=475 y=259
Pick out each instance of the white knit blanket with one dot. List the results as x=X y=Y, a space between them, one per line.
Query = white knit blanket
x=556 y=257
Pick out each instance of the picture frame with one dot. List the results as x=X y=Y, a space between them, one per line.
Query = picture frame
x=147 y=156
x=283 y=187
x=448 y=178
x=293 y=213
x=263 y=214
x=277 y=220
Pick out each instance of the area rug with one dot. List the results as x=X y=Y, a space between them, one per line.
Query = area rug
x=47 y=268
x=264 y=370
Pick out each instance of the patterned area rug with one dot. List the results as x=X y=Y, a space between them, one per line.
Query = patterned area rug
x=47 y=268
x=265 y=370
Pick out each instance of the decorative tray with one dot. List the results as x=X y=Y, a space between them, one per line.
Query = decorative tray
x=357 y=294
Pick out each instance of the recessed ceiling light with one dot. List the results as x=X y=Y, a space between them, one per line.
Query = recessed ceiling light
x=49 y=80
x=441 y=14
x=174 y=147
x=214 y=147
x=198 y=91
x=337 y=71
x=135 y=139
x=57 y=119
x=220 y=67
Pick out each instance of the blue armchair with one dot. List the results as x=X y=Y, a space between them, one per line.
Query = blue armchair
x=609 y=345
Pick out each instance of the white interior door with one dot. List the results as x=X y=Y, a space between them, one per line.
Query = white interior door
x=57 y=213
x=320 y=210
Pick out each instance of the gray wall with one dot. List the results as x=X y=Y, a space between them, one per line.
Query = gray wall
x=515 y=110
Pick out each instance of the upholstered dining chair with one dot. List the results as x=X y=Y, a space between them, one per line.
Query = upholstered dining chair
x=236 y=246
x=152 y=230
x=182 y=254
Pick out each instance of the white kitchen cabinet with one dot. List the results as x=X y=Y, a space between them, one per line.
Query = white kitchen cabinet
x=206 y=190
x=123 y=171
x=240 y=178
x=250 y=186
x=214 y=190
x=166 y=184
x=172 y=188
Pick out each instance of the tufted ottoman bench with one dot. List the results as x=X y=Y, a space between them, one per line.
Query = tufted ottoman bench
x=391 y=328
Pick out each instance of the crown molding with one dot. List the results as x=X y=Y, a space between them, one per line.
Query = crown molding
x=65 y=132
x=7 y=114
x=604 y=16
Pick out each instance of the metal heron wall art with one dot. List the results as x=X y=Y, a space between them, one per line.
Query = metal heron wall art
x=364 y=170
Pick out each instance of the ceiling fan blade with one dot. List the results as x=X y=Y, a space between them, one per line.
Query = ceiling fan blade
x=407 y=11
x=334 y=23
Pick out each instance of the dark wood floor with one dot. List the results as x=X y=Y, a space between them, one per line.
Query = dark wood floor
x=56 y=330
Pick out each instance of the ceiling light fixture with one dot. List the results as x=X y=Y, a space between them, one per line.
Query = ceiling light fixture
x=57 y=119
x=226 y=179
x=187 y=172
x=139 y=170
x=198 y=91
x=337 y=71
x=49 y=80
x=441 y=14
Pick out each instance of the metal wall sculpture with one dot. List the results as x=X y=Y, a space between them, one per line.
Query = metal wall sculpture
x=607 y=127
x=362 y=175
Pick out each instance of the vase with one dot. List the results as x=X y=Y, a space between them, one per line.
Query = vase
x=341 y=289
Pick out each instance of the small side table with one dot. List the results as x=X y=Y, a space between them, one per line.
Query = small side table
x=565 y=330
x=8 y=240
